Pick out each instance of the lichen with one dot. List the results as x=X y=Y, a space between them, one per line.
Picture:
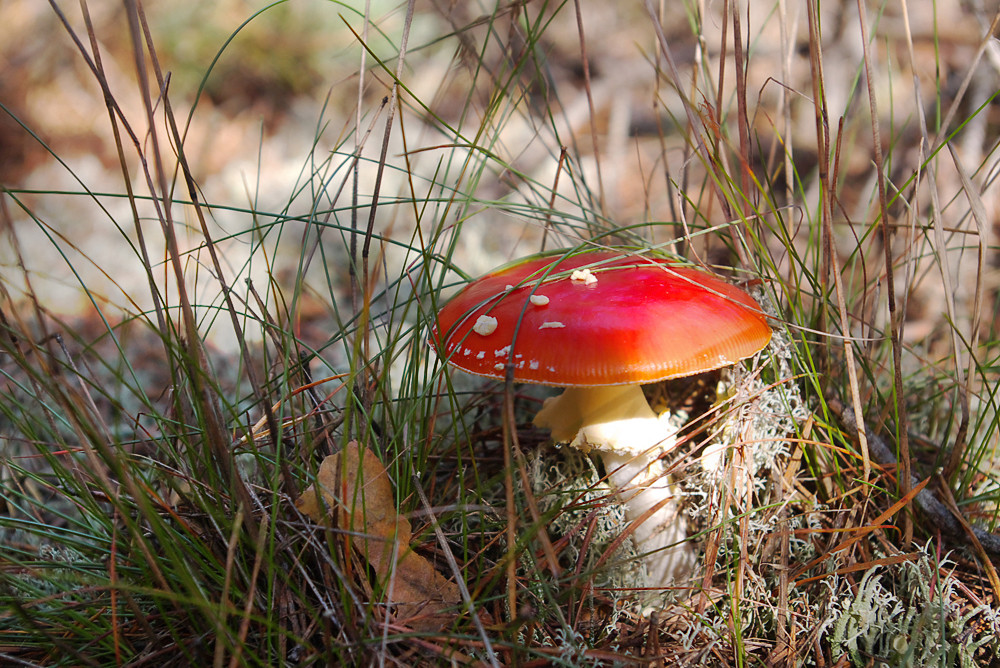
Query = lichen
x=906 y=614
x=568 y=486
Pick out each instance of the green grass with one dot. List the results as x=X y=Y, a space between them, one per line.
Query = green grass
x=162 y=406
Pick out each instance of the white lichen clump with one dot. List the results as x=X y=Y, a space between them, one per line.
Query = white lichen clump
x=566 y=479
x=907 y=614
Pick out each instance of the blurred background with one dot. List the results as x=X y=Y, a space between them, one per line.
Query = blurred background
x=272 y=102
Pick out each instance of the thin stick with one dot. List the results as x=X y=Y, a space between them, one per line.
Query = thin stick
x=455 y=570
x=742 y=118
x=98 y=70
x=937 y=512
x=895 y=322
x=356 y=167
x=689 y=111
x=833 y=266
x=980 y=218
x=590 y=104
x=509 y=429
x=552 y=200
x=364 y=329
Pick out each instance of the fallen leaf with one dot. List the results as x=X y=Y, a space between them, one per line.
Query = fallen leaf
x=356 y=486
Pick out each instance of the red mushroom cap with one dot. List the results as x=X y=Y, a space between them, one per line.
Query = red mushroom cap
x=642 y=320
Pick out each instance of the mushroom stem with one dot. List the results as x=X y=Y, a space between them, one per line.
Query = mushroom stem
x=618 y=423
x=642 y=483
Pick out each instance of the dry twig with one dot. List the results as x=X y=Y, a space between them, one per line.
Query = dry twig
x=950 y=523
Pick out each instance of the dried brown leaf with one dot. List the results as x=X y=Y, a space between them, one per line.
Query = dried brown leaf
x=355 y=484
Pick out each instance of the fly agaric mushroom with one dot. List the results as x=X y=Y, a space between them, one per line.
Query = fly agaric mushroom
x=600 y=324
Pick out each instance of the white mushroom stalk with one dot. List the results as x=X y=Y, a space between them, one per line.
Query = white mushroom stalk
x=617 y=422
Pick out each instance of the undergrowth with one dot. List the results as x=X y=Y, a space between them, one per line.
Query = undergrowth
x=222 y=265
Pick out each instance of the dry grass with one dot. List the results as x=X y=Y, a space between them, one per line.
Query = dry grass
x=187 y=332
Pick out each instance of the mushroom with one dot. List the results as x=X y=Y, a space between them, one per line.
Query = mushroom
x=600 y=324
